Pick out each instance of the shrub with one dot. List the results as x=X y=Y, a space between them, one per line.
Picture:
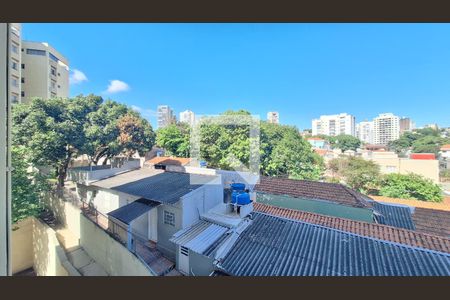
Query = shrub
x=410 y=186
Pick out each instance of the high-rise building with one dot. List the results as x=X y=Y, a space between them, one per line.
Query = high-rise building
x=45 y=72
x=333 y=125
x=364 y=131
x=406 y=124
x=188 y=117
x=165 y=116
x=273 y=117
x=15 y=62
x=386 y=128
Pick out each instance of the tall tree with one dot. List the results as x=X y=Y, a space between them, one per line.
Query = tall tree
x=344 y=142
x=175 y=139
x=135 y=134
x=52 y=130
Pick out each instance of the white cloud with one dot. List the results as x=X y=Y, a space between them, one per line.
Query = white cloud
x=116 y=86
x=76 y=77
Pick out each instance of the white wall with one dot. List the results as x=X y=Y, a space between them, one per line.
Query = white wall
x=106 y=200
x=140 y=227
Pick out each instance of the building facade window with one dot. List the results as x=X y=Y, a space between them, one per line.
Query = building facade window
x=15 y=82
x=14 y=98
x=14 y=48
x=52 y=57
x=169 y=218
x=22 y=80
x=23 y=94
x=23 y=66
x=53 y=71
x=36 y=52
x=14 y=65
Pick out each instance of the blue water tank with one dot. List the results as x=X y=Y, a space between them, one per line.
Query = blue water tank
x=243 y=199
x=238 y=186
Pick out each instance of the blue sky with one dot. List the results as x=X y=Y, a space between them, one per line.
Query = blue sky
x=299 y=70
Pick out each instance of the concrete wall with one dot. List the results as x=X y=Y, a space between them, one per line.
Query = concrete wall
x=166 y=231
x=139 y=226
x=200 y=265
x=199 y=202
x=67 y=213
x=87 y=177
x=22 y=245
x=115 y=259
x=49 y=258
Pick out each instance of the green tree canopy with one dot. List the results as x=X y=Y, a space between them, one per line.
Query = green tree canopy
x=344 y=142
x=175 y=139
x=410 y=186
x=52 y=130
x=358 y=173
x=27 y=187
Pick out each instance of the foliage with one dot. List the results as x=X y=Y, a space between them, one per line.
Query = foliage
x=225 y=144
x=175 y=139
x=358 y=173
x=425 y=140
x=344 y=142
x=410 y=186
x=52 y=130
x=27 y=187
x=135 y=134
x=57 y=130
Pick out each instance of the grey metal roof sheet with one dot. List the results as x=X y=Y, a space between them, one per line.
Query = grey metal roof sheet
x=393 y=215
x=200 y=236
x=274 y=246
x=133 y=210
x=164 y=187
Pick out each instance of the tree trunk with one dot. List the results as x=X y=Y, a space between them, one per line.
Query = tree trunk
x=62 y=171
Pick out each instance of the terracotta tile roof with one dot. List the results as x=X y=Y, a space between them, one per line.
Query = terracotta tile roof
x=321 y=151
x=163 y=160
x=333 y=192
x=432 y=221
x=383 y=232
x=445 y=147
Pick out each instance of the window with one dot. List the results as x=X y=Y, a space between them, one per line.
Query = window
x=23 y=66
x=53 y=84
x=14 y=48
x=14 y=65
x=15 y=82
x=53 y=71
x=22 y=80
x=59 y=74
x=23 y=94
x=169 y=218
x=52 y=57
x=14 y=98
x=36 y=52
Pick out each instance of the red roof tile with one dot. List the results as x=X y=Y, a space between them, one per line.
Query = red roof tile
x=378 y=231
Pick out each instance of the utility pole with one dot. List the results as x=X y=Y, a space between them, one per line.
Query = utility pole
x=5 y=153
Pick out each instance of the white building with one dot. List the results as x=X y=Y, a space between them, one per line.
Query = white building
x=188 y=117
x=364 y=131
x=45 y=72
x=334 y=125
x=386 y=128
x=273 y=117
x=165 y=116
x=15 y=46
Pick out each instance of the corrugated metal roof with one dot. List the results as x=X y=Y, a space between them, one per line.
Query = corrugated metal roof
x=133 y=210
x=273 y=246
x=393 y=215
x=164 y=187
x=378 y=231
x=199 y=237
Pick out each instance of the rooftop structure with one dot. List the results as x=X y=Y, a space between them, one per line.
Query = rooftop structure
x=333 y=125
x=274 y=246
x=157 y=185
x=378 y=231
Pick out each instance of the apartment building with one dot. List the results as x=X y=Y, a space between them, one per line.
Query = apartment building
x=45 y=72
x=406 y=124
x=386 y=128
x=15 y=44
x=188 y=117
x=334 y=125
x=364 y=131
x=273 y=117
x=165 y=116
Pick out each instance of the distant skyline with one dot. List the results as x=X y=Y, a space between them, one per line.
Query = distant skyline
x=300 y=70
